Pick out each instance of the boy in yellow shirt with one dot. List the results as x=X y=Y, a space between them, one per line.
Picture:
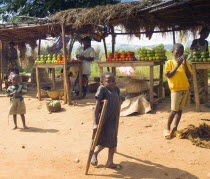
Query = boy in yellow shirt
x=178 y=72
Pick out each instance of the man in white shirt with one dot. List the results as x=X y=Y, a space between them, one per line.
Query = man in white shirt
x=86 y=54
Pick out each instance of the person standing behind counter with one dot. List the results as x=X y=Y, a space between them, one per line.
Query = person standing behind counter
x=200 y=45
x=86 y=54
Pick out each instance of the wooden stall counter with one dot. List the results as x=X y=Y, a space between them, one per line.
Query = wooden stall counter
x=150 y=63
x=200 y=66
x=53 y=66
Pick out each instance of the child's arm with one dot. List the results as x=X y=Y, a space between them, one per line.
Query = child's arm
x=96 y=112
x=173 y=71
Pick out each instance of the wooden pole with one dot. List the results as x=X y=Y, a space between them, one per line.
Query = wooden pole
x=151 y=85
x=206 y=85
x=66 y=89
x=174 y=38
x=38 y=84
x=113 y=47
x=53 y=78
x=160 y=93
x=1 y=63
x=39 y=47
x=105 y=50
x=195 y=84
x=95 y=135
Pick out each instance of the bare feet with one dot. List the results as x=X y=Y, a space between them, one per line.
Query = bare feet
x=112 y=165
x=94 y=160
x=25 y=127
x=15 y=127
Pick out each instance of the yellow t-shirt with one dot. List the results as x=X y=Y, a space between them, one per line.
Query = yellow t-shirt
x=179 y=80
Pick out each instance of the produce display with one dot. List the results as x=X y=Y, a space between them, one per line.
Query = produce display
x=53 y=58
x=123 y=56
x=152 y=55
x=144 y=55
x=200 y=57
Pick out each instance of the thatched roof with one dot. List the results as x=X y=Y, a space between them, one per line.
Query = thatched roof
x=141 y=15
x=135 y=16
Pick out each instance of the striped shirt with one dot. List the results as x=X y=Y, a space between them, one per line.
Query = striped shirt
x=16 y=89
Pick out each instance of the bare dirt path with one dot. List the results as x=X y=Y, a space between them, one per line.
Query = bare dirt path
x=49 y=148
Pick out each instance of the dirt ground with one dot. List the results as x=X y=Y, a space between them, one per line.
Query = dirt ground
x=49 y=148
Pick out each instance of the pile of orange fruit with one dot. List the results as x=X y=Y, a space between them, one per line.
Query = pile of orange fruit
x=60 y=58
x=123 y=56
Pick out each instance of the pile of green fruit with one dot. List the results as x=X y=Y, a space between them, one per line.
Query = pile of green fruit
x=200 y=57
x=152 y=55
x=50 y=58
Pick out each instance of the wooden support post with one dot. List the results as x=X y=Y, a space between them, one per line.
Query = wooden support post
x=105 y=50
x=160 y=93
x=206 y=85
x=38 y=84
x=113 y=46
x=53 y=78
x=1 y=68
x=101 y=70
x=80 y=81
x=151 y=85
x=66 y=89
x=113 y=40
x=39 y=47
x=114 y=70
x=195 y=84
x=174 y=38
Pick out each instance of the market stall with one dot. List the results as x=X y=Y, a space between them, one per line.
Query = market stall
x=53 y=67
x=150 y=64
x=200 y=66
x=138 y=17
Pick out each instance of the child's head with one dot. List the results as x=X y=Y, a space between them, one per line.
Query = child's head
x=177 y=50
x=204 y=33
x=15 y=79
x=108 y=80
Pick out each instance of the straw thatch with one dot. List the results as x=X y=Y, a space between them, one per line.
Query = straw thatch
x=135 y=17
x=141 y=16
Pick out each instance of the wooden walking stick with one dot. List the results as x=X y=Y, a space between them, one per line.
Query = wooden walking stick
x=117 y=126
x=96 y=135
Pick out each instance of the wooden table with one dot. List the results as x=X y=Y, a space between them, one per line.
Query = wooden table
x=151 y=64
x=198 y=66
x=54 y=66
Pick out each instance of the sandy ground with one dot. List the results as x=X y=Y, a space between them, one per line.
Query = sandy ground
x=49 y=148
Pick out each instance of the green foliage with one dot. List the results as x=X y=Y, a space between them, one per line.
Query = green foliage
x=158 y=47
x=39 y=8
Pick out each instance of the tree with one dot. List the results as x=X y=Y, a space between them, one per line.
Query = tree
x=42 y=8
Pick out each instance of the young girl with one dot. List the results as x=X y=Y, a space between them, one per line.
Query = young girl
x=108 y=136
x=17 y=105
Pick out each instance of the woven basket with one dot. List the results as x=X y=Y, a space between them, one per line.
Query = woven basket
x=43 y=94
x=56 y=108
x=136 y=86
x=54 y=94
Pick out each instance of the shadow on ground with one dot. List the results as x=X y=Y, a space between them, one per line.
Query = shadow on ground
x=139 y=169
x=39 y=130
